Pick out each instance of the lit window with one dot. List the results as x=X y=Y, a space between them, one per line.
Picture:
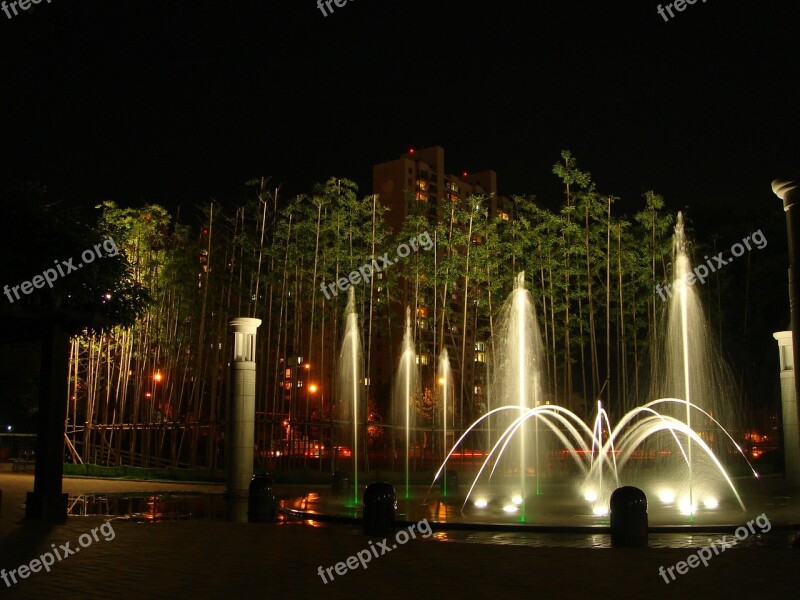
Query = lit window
x=505 y=216
x=480 y=346
x=480 y=357
x=422 y=359
x=422 y=196
x=288 y=373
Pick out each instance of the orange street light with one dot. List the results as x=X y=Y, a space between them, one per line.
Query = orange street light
x=313 y=388
x=157 y=377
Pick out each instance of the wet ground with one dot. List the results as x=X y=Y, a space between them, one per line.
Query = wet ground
x=207 y=558
x=555 y=519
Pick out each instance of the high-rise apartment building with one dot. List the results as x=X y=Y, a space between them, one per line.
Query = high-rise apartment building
x=419 y=177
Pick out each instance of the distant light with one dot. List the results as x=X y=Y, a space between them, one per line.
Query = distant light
x=441 y=380
x=158 y=376
x=516 y=499
x=666 y=496
x=8 y=428
x=711 y=503
x=411 y=151
x=313 y=388
x=481 y=503
x=510 y=508
x=465 y=174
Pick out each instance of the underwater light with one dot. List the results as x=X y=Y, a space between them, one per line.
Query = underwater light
x=666 y=496
x=685 y=507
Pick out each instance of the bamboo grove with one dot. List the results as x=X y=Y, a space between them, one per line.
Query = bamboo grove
x=154 y=394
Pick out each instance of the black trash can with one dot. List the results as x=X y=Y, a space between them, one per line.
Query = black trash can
x=629 y=518
x=380 y=508
x=340 y=483
x=261 y=504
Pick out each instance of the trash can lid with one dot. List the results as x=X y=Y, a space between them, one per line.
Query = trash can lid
x=628 y=497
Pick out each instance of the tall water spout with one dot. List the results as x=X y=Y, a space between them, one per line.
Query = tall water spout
x=405 y=387
x=689 y=365
x=351 y=380
x=682 y=270
x=516 y=371
x=444 y=379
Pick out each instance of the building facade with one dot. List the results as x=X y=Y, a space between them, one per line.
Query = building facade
x=418 y=178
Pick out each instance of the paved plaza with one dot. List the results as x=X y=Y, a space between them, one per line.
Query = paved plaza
x=213 y=559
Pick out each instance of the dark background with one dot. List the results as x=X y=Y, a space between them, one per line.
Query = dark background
x=177 y=101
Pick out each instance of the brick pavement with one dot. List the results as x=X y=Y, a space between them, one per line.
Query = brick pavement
x=203 y=559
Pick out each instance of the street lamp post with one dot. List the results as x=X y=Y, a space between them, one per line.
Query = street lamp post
x=241 y=417
x=789 y=192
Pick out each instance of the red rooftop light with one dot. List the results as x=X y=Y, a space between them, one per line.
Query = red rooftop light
x=411 y=151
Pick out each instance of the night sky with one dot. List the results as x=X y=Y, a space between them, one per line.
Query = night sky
x=182 y=101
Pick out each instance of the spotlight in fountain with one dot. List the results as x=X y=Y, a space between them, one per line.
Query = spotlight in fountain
x=481 y=503
x=599 y=510
x=590 y=496
x=686 y=506
x=516 y=499
x=510 y=508
x=666 y=496
x=711 y=503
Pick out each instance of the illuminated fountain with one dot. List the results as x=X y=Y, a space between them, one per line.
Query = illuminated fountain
x=405 y=387
x=516 y=380
x=691 y=388
x=351 y=380
x=444 y=378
